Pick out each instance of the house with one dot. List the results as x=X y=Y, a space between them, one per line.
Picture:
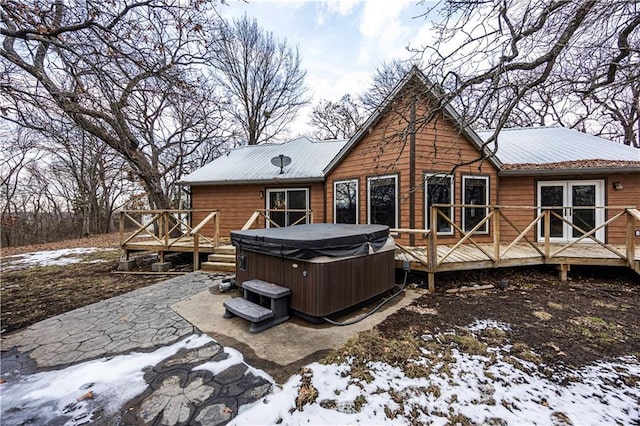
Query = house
x=246 y=180
x=410 y=155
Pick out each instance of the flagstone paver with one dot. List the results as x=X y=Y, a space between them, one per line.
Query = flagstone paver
x=141 y=320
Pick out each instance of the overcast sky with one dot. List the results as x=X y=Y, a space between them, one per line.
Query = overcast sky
x=340 y=41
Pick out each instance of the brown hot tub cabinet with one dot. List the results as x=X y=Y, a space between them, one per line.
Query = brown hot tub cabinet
x=329 y=268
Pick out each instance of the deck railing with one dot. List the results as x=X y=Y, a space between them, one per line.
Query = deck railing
x=168 y=228
x=254 y=220
x=494 y=244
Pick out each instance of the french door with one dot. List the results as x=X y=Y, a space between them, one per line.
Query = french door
x=576 y=201
x=287 y=199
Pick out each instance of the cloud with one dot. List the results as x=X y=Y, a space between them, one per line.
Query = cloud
x=341 y=7
x=385 y=29
x=328 y=8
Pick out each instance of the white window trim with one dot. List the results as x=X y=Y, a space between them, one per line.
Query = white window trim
x=357 y=198
x=369 y=180
x=464 y=201
x=270 y=190
x=427 y=222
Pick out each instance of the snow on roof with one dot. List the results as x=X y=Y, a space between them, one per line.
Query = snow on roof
x=253 y=163
x=558 y=147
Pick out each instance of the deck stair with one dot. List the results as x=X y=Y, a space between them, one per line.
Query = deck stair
x=257 y=294
x=223 y=259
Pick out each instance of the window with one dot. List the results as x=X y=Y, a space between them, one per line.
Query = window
x=383 y=200
x=289 y=199
x=439 y=190
x=345 y=201
x=475 y=191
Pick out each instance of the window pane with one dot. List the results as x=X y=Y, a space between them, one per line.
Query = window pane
x=345 y=199
x=277 y=200
x=382 y=199
x=583 y=196
x=475 y=192
x=553 y=196
x=296 y=200
x=439 y=192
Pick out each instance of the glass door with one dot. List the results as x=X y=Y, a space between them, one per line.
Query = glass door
x=576 y=202
x=287 y=199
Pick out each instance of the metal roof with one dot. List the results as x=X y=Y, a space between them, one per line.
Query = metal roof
x=249 y=164
x=541 y=145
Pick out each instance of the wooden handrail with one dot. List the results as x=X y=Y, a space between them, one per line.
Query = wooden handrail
x=203 y=222
x=308 y=214
x=541 y=246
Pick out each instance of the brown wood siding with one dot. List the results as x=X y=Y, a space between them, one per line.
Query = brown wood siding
x=237 y=203
x=384 y=150
x=522 y=190
x=629 y=195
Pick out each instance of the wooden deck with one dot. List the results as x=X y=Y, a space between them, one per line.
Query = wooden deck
x=468 y=256
x=171 y=231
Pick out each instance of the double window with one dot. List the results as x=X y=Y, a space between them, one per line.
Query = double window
x=345 y=201
x=382 y=200
x=439 y=190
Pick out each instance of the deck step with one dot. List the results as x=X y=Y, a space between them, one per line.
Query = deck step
x=218 y=266
x=267 y=289
x=226 y=249
x=225 y=258
x=247 y=310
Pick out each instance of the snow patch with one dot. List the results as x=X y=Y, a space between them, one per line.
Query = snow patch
x=473 y=387
x=50 y=258
x=42 y=397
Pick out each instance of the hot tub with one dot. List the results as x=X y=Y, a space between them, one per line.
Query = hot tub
x=329 y=268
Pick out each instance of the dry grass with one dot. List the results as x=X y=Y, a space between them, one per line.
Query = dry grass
x=39 y=292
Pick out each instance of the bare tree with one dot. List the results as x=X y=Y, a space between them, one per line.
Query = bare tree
x=336 y=120
x=385 y=77
x=261 y=76
x=622 y=108
x=18 y=151
x=120 y=71
x=497 y=53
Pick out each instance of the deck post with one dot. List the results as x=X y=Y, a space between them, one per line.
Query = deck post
x=121 y=226
x=547 y=231
x=564 y=268
x=216 y=225
x=431 y=281
x=196 y=251
x=496 y=233
x=432 y=250
x=165 y=227
x=631 y=241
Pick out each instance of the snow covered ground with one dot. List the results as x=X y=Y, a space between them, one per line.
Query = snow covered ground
x=496 y=388
x=51 y=395
x=49 y=258
x=469 y=389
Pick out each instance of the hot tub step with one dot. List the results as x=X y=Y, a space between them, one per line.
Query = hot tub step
x=266 y=289
x=261 y=318
x=247 y=310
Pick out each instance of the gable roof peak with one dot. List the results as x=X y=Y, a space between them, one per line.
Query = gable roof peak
x=437 y=93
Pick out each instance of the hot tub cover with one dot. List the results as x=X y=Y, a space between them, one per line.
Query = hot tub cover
x=308 y=241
